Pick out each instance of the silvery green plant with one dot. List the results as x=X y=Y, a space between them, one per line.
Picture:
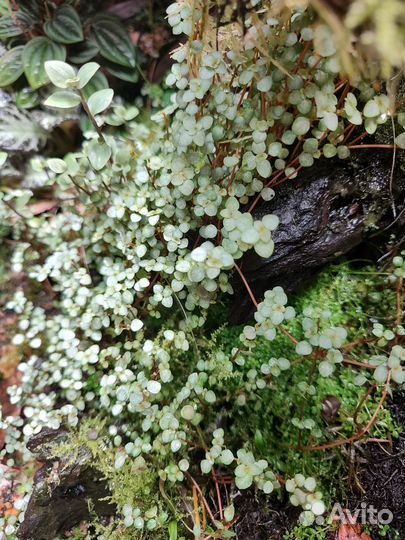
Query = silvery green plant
x=152 y=225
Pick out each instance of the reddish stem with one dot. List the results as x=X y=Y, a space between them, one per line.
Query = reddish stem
x=363 y=432
x=221 y=511
x=358 y=146
x=246 y=284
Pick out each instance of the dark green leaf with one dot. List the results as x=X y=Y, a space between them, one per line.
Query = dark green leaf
x=123 y=73
x=104 y=16
x=83 y=52
x=35 y=54
x=65 y=27
x=8 y=28
x=27 y=17
x=114 y=42
x=98 y=82
x=11 y=66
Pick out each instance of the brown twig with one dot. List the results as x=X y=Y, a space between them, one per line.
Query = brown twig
x=359 y=435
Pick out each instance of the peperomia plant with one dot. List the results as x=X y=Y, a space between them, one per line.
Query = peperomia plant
x=153 y=221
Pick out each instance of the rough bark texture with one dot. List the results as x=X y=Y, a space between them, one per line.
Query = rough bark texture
x=64 y=489
x=325 y=212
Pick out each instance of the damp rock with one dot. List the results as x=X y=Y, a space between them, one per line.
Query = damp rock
x=65 y=489
x=329 y=209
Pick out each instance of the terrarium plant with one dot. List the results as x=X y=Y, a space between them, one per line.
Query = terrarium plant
x=154 y=217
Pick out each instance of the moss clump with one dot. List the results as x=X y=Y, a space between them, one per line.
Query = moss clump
x=134 y=484
x=352 y=297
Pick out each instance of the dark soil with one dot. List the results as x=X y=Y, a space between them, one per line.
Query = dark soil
x=380 y=483
x=263 y=519
x=383 y=477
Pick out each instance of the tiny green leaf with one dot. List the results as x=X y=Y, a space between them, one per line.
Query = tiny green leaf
x=87 y=72
x=243 y=482
x=301 y=125
x=172 y=530
x=65 y=27
x=303 y=348
x=371 y=109
x=400 y=140
x=229 y=512
x=60 y=73
x=265 y=84
x=263 y=167
x=381 y=373
x=98 y=153
x=100 y=100
x=64 y=99
x=36 y=52
x=121 y=72
x=11 y=66
x=56 y=165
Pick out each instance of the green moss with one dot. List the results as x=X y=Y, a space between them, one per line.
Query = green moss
x=135 y=483
x=352 y=297
x=302 y=532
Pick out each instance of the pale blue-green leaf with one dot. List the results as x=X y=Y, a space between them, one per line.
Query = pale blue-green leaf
x=331 y=121
x=59 y=73
x=63 y=99
x=229 y=512
x=56 y=165
x=371 y=109
x=86 y=72
x=380 y=374
x=99 y=101
x=370 y=125
x=263 y=167
x=264 y=249
x=98 y=153
x=243 y=482
x=400 y=140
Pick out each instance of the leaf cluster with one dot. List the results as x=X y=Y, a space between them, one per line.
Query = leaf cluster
x=34 y=33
